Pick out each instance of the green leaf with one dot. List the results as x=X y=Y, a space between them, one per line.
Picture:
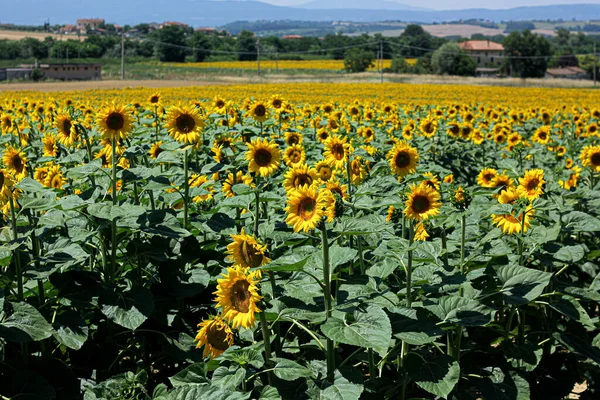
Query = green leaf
x=25 y=324
x=228 y=378
x=369 y=328
x=526 y=356
x=71 y=330
x=581 y=222
x=571 y=308
x=83 y=171
x=521 y=285
x=438 y=376
x=288 y=263
x=269 y=393
x=500 y=386
x=195 y=392
x=290 y=371
x=340 y=255
x=461 y=311
x=579 y=345
x=342 y=389
x=29 y=185
x=129 y=308
x=570 y=254
x=415 y=326
x=194 y=374
x=110 y=211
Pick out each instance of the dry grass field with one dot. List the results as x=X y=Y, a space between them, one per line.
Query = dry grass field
x=18 y=35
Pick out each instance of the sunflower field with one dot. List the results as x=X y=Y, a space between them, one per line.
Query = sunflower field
x=305 y=241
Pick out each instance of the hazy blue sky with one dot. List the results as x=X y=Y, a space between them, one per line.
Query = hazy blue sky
x=460 y=4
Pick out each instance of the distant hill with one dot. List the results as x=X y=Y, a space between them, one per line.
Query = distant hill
x=217 y=13
x=359 y=5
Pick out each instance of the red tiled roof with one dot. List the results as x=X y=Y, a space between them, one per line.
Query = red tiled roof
x=565 y=71
x=481 y=45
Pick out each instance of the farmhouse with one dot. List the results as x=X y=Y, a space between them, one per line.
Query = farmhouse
x=566 y=73
x=70 y=72
x=91 y=24
x=487 y=54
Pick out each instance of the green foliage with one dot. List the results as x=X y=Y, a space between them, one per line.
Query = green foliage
x=201 y=45
x=450 y=59
x=530 y=54
x=358 y=60
x=246 y=45
x=171 y=39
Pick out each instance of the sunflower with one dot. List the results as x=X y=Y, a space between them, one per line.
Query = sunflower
x=264 y=156
x=156 y=149
x=337 y=150
x=154 y=99
x=590 y=157
x=240 y=178
x=16 y=162
x=393 y=215
x=276 y=101
x=306 y=206
x=420 y=232
x=237 y=295
x=115 y=121
x=502 y=181
x=358 y=170
x=431 y=180
x=334 y=186
x=6 y=123
x=294 y=155
x=184 y=123
x=486 y=176
x=219 y=104
x=246 y=251
x=50 y=146
x=322 y=135
x=532 y=183
x=541 y=135
x=292 y=138
x=428 y=127
x=573 y=179
x=509 y=223
x=40 y=174
x=7 y=191
x=324 y=170
x=403 y=159
x=299 y=175
x=196 y=181
x=259 y=112
x=215 y=335
x=67 y=134
x=55 y=178
x=449 y=178
x=422 y=202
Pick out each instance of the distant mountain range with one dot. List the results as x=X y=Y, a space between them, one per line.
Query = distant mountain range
x=216 y=13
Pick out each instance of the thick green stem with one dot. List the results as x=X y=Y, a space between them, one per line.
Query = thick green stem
x=372 y=374
x=186 y=188
x=18 y=270
x=256 y=211
x=267 y=342
x=113 y=247
x=405 y=346
x=327 y=298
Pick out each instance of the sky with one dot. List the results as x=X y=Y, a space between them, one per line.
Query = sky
x=459 y=4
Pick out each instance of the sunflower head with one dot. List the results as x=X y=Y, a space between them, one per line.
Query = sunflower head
x=403 y=159
x=184 y=123
x=422 y=202
x=301 y=175
x=306 y=206
x=215 y=336
x=237 y=296
x=264 y=156
x=294 y=155
x=486 y=176
x=259 y=111
x=15 y=161
x=590 y=157
x=532 y=183
x=246 y=251
x=115 y=121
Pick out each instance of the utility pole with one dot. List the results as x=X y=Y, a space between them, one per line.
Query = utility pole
x=381 y=65
x=258 y=53
x=122 y=54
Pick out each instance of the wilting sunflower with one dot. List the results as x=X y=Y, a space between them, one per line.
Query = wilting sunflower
x=115 y=121
x=532 y=183
x=55 y=178
x=486 y=176
x=246 y=251
x=215 y=335
x=393 y=215
x=240 y=178
x=156 y=149
x=294 y=155
x=422 y=202
x=337 y=150
x=237 y=295
x=67 y=134
x=16 y=162
x=50 y=146
x=306 y=206
x=7 y=191
x=509 y=223
x=259 y=111
x=325 y=170
x=299 y=175
x=421 y=234
x=590 y=157
x=184 y=123
x=264 y=156
x=403 y=159
x=197 y=181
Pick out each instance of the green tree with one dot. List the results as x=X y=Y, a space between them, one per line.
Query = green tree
x=415 y=41
x=246 y=46
x=450 y=59
x=527 y=54
x=171 y=46
x=201 y=46
x=358 y=60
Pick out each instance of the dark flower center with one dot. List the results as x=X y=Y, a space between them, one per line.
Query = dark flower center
x=420 y=204
x=262 y=157
x=217 y=336
x=306 y=207
x=17 y=162
x=402 y=159
x=252 y=257
x=302 y=179
x=595 y=159
x=240 y=296
x=66 y=127
x=115 y=121
x=533 y=184
x=185 y=123
x=338 y=151
x=260 y=110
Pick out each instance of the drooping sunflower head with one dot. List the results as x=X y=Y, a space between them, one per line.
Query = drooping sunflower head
x=422 y=202
x=300 y=175
x=403 y=159
x=259 y=111
x=513 y=222
x=237 y=295
x=246 y=251
x=486 y=176
x=6 y=123
x=115 y=121
x=431 y=180
x=532 y=183
x=156 y=149
x=240 y=178
x=55 y=178
x=215 y=336
x=50 y=146
x=184 y=123
x=294 y=155
x=16 y=162
x=264 y=156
